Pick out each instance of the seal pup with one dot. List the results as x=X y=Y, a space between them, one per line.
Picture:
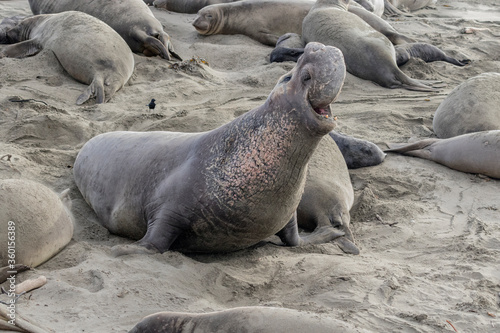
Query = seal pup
x=87 y=48
x=328 y=195
x=368 y=53
x=36 y=219
x=477 y=152
x=132 y=19
x=221 y=190
x=251 y=319
x=357 y=153
x=473 y=106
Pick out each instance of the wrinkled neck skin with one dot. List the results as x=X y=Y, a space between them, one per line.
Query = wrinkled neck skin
x=23 y=31
x=263 y=152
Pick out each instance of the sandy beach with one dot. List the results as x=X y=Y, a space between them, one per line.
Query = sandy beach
x=429 y=236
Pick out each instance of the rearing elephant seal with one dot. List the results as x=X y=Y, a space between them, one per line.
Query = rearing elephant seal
x=221 y=190
x=368 y=53
x=87 y=48
x=472 y=106
x=35 y=223
x=132 y=19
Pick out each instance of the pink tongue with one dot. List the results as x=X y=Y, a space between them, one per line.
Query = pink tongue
x=322 y=112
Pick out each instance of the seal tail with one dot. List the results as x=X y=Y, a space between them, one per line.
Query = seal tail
x=417 y=149
x=96 y=88
x=404 y=81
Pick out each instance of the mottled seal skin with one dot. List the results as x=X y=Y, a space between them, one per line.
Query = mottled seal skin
x=358 y=153
x=42 y=221
x=473 y=106
x=267 y=20
x=132 y=19
x=87 y=48
x=221 y=190
x=474 y=152
x=368 y=53
x=252 y=319
x=328 y=195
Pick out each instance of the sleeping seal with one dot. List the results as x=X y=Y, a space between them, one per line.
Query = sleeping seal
x=474 y=152
x=132 y=19
x=221 y=190
x=87 y=48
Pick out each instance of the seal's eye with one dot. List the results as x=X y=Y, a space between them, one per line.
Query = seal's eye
x=209 y=16
x=286 y=79
x=306 y=77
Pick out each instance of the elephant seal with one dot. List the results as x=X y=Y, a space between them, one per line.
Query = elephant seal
x=251 y=319
x=328 y=195
x=426 y=52
x=87 y=48
x=267 y=20
x=409 y=5
x=104 y=61
x=7 y=24
x=477 y=152
x=132 y=19
x=221 y=190
x=186 y=6
x=35 y=223
x=473 y=106
x=368 y=53
x=374 y=6
x=357 y=153
x=8 y=271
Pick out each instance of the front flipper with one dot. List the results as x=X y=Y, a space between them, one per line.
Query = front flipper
x=23 y=49
x=165 y=40
x=289 y=235
x=347 y=246
x=96 y=88
x=159 y=45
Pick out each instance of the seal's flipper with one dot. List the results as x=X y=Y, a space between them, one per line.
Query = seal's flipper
x=96 y=88
x=321 y=235
x=417 y=149
x=289 y=235
x=281 y=54
x=23 y=49
x=391 y=10
x=347 y=246
x=165 y=40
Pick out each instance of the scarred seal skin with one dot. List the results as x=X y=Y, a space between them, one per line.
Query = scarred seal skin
x=40 y=221
x=87 y=48
x=132 y=19
x=222 y=190
x=477 y=152
x=250 y=319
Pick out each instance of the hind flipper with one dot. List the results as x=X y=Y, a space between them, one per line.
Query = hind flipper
x=391 y=10
x=96 y=88
x=347 y=246
x=418 y=149
x=23 y=49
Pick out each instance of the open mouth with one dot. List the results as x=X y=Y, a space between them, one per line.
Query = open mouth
x=324 y=112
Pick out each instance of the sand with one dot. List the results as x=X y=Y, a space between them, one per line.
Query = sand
x=429 y=236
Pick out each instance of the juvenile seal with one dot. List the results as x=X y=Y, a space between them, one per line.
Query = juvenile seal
x=87 y=48
x=368 y=53
x=132 y=19
x=251 y=319
x=328 y=195
x=473 y=106
x=357 y=153
x=267 y=20
x=36 y=219
x=221 y=190
x=474 y=152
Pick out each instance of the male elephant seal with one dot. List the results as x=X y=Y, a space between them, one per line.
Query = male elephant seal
x=35 y=223
x=87 y=48
x=328 y=194
x=132 y=19
x=472 y=106
x=267 y=20
x=221 y=190
x=368 y=53
x=251 y=319
x=474 y=152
